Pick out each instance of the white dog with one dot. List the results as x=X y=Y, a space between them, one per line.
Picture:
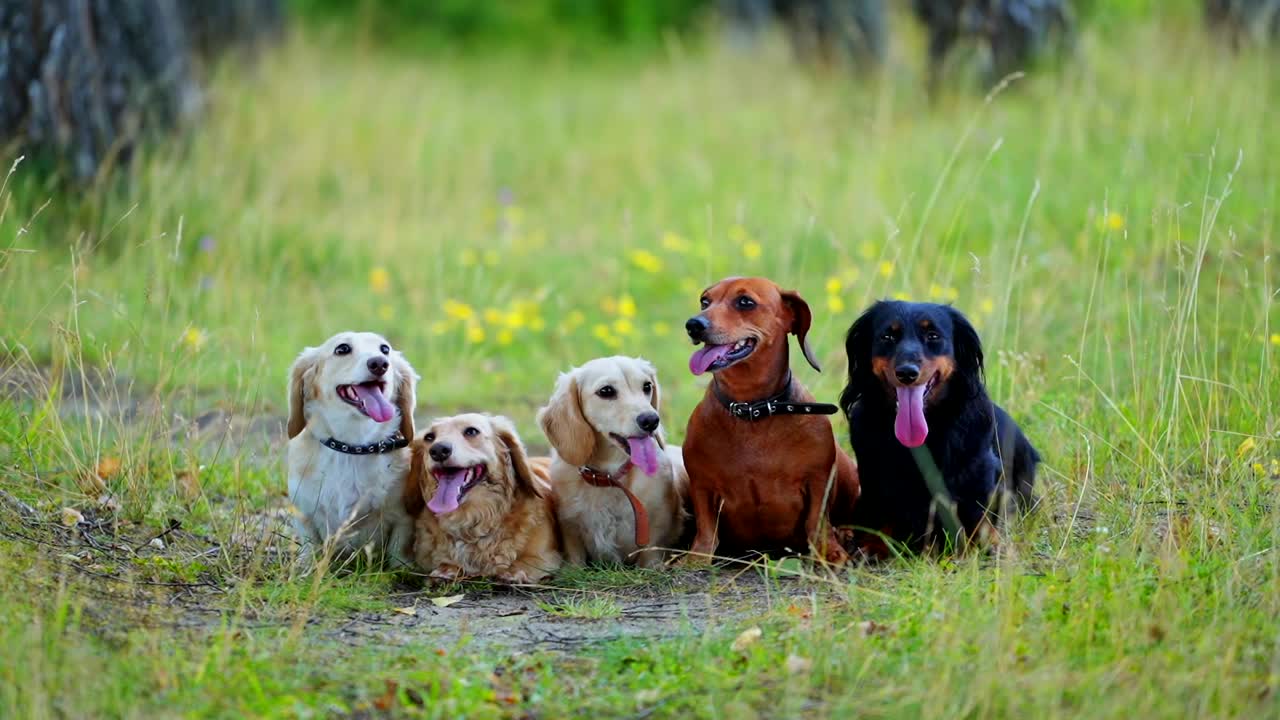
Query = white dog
x=611 y=466
x=350 y=422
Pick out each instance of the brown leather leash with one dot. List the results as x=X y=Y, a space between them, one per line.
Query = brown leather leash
x=596 y=478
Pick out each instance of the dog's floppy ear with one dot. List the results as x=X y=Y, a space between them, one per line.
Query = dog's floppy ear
x=505 y=430
x=406 y=393
x=300 y=374
x=802 y=318
x=564 y=425
x=967 y=344
x=414 y=494
x=857 y=345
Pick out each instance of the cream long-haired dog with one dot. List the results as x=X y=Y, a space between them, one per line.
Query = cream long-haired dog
x=489 y=508
x=612 y=471
x=350 y=421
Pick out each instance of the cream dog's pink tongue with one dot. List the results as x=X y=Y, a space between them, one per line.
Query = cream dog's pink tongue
x=644 y=453
x=448 y=486
x=706 y=356
x=910 y=426
x=375 y=404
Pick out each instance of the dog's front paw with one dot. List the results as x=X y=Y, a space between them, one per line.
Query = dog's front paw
x=517 y=576
x=446 y=571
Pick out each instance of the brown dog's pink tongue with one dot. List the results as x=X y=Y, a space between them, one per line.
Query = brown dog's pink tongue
x=375 y=404
x=705 y=357
x=910 y=426
x=448 y=486
x=644 y=453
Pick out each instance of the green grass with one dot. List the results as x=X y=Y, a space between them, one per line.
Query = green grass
x=1110 y=229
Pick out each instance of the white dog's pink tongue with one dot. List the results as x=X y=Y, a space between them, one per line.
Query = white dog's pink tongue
x=375 y=404
x=707 y=356
x=644 y=453
x=910 y=426
x=448 y=486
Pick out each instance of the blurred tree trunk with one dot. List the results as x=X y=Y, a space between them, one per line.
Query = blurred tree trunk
x=81 y=81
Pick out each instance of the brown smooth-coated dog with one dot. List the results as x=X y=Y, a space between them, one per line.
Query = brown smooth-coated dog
x=759 y=486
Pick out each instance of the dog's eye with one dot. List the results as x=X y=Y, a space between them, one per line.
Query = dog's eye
x=386 y=349
x=470 y=432
x=429 y=437
x=705 y=303
x=342 y=349
x=887 y=337
x=745 y=303
x=648 y=387
x=932 y=336
x=607 y=392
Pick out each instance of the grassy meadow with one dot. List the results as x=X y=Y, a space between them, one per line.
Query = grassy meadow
x=1110 y=228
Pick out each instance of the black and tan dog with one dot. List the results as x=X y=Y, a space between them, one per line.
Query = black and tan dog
x=916 y=398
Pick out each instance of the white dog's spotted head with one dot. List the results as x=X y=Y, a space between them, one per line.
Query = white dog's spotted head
x=352 y=388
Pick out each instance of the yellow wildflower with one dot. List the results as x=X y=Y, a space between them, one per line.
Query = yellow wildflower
x=950 y=294
x=868 y=250
x=626 y=306
x=738 y=234
x=1259 y=470
x=492 y=316
x=674 y=242
x=900 y=296
x=379 y=280
x=491 y=258
x=1114 y=221
x=469 y=257
x=645 y=260
x=458 y=310
x=751 y=250
x=475 y=334
x=987 y=306
x=513 y=319
x=885 y=268
x=834 y=285
x=513 y=214
x=574 y=319
x=601 y=331
x=195 y=338
x=661 y=329
x=1275 y=338
x=1246 y=447
x=835 y=303
x=623 y=326
x=537 y=324
x=935 y=291
x=505 y=337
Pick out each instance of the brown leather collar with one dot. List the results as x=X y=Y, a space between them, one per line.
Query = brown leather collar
x=596 y=478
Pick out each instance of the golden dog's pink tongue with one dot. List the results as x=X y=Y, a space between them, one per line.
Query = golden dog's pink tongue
x=707 y=356
x=448 y=487
x=644 y=453
x=374 y=403
x=910 y=426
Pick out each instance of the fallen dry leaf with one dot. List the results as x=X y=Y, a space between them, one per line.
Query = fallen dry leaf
x=446 y=601
x=871 y=627
x=387 y=699
x=796 y=664
x=107 y=467
x=746 y=639
x=71 y=517
x=157 y=543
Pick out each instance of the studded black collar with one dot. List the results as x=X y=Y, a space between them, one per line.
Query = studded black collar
x=395 y=442
x=778 y=404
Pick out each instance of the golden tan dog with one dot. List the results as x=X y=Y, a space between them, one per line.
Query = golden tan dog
x=488 y=512
x=619 y=487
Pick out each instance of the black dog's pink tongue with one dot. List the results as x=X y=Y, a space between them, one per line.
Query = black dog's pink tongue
x=644 y=453
x=910 y=426
x=707 y=356
x=375 y=404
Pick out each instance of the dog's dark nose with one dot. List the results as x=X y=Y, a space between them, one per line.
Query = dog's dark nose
x=441 y=451
x=907 y=373
x=697 y=328
x=378 y=366
x=648 y=421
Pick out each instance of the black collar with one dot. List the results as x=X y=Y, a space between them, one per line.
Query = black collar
x=770 y=406
x=395 y=442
